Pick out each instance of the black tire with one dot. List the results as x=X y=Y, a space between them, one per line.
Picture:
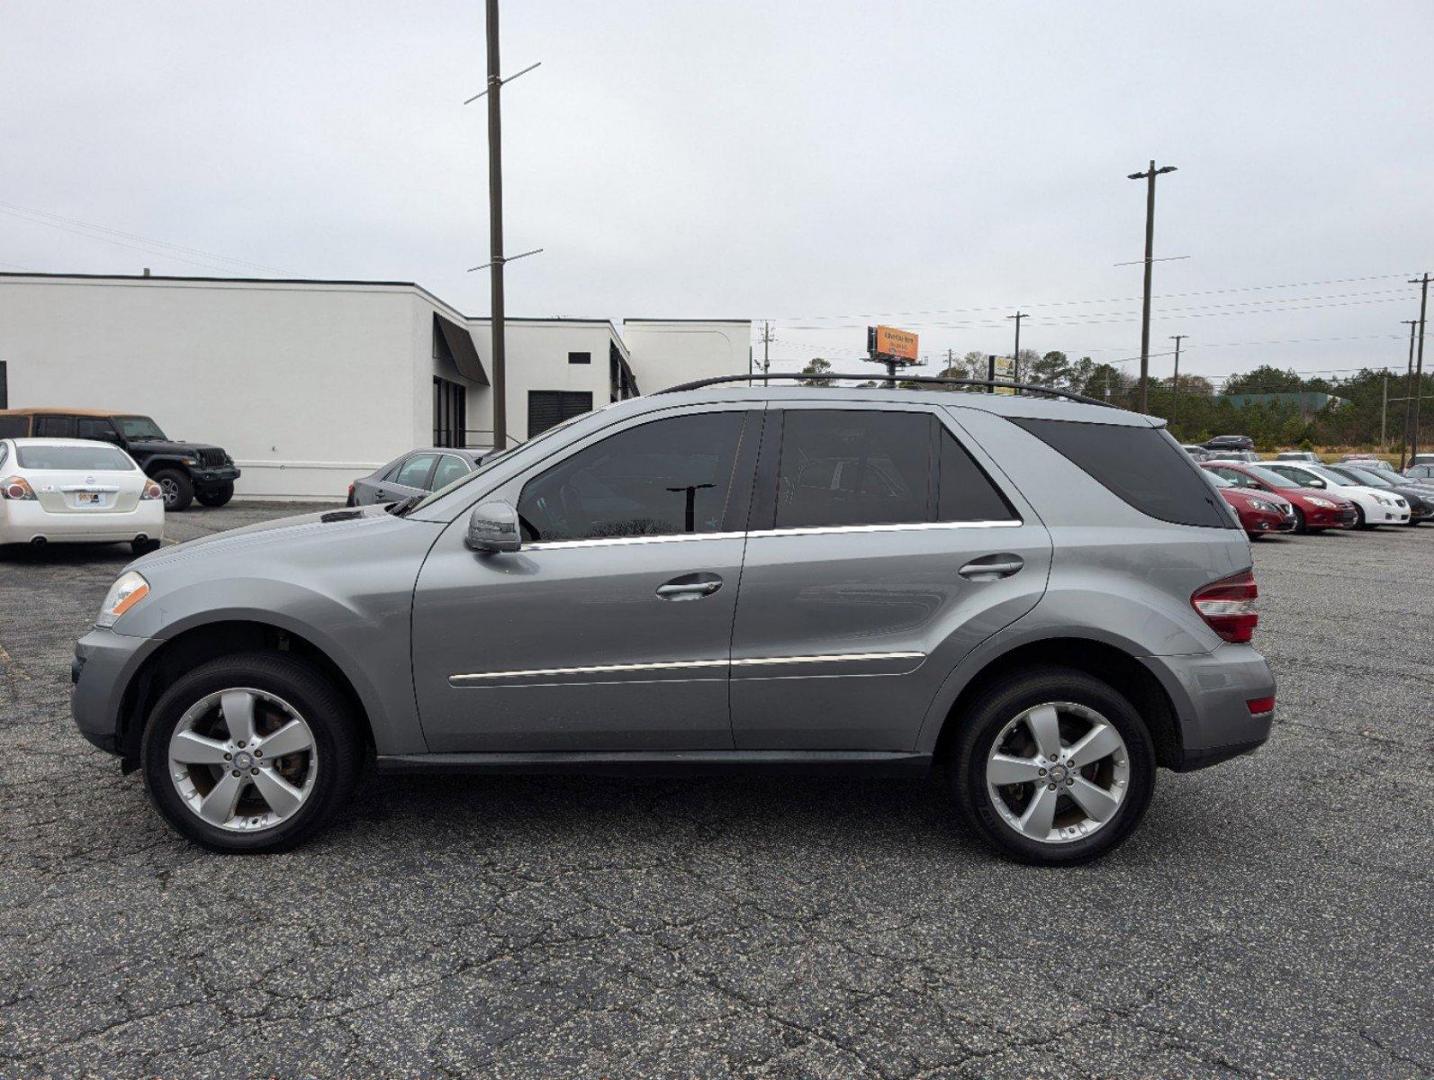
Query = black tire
x=1300 y=526
x=1359 y=522
x=217 y=495
x=177 y=487
x=337 y=744
x=1000 y=704
x=143 y=547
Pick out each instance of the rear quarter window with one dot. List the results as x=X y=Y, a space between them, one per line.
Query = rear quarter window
x=1143 y=466
x=12 y=427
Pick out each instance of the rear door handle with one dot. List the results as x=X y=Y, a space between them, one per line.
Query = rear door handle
x=992 y=567
x=690 y=587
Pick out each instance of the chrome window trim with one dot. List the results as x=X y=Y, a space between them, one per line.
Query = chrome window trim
x=809 y=530
x=673 y=665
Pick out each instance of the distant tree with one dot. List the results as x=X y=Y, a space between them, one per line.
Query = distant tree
x=1265 y=379
x=817 y=366
x=1053 y=369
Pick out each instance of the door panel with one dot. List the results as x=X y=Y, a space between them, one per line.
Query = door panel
x=875 y=621
x=846 y=628
x=570 y=647
x=611 y=628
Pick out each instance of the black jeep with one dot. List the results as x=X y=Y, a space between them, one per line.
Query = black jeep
x=184 y=471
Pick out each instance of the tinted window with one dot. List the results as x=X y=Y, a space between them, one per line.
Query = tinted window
x=414 y=472
x=55 y=426
x=850 y=467
x=98 y=458
x=139 y=427
x=580 y=358
x=449 y=469
x=1141 y=465
x=14 y=426
x=967 y=494
x=666 y=477
x=90 y=427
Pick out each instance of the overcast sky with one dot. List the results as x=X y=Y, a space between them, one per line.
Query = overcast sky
x=820 y=164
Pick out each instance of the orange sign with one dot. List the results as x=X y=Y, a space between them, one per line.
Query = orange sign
x=893 y=342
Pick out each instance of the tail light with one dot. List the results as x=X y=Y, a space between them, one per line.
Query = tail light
x=1261 y=707
x=16 y=487
x=1228 y=606
x=151 y=491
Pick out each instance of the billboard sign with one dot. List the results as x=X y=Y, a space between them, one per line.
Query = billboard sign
x=888 y=341
x=1003 y=367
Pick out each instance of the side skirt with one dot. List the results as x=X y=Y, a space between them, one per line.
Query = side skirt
x=672 y=762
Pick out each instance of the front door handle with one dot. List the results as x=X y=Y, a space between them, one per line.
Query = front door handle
x=689 y=587
x=992 y=567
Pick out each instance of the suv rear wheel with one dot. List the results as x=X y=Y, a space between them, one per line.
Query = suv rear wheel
x=248 y=753
x=1053 y=767
x=178 y=489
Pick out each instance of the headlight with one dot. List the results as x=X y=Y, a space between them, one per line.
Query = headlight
x=189 y=461
x=124 y=594
x=1384 y=500
x=1260 y=504
x=1323 y=504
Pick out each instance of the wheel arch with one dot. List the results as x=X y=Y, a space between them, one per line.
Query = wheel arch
x=1100 y=659
x=207 y=641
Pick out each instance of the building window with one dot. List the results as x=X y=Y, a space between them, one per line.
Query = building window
x=549 y=408
x=450 y=413
x=580 y=358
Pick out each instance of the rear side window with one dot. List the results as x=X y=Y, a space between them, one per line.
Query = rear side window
x=415 y=470
x=967 y=494
x=12 y=427
x=55 y=426
x=1141 y=465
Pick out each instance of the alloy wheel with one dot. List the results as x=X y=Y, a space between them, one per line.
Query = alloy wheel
x=1058 y=772
x=243 y=760
x=170 y=490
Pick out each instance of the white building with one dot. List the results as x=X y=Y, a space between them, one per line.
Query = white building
x=309 y=384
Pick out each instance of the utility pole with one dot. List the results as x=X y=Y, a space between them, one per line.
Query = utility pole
x=495 y=235
x=1423 y=283
x=1016 y=356
x=1408 y=391
x=766 y=341
x=1384 y=411
x=1149 y=177
x=1175 y=399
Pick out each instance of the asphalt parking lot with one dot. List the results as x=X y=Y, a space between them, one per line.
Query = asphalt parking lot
x=1270 y=917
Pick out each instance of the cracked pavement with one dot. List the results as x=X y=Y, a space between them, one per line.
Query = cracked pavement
x=1267 y=919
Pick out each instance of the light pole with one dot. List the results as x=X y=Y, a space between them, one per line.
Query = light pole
x=1175 y=397
x=1149 y=177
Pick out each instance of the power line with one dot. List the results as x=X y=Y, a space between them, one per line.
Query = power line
x=125 y=239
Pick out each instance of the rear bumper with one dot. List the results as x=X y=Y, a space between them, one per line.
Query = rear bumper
x=22 y=522
x=1211 y=693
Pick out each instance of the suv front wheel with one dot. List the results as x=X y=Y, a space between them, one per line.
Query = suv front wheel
x=1053 y=767
x=177 y=488
x=249 y=753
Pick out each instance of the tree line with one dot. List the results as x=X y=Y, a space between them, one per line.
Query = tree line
x=1360 y=419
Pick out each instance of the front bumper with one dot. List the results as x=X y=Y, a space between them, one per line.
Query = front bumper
x=1259 y=522
x=1211 y=693
x=225 y=474
x=104 y=665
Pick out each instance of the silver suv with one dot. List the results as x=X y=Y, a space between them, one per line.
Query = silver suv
x=1045 y=599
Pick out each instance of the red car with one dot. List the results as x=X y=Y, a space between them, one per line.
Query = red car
x=1260 y=512
x=1314 y=510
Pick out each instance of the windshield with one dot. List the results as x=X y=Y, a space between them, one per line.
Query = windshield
x=1362 y=476
x=138 y=427
x=87 y=458
x=1217 y=480
x=1268 y=476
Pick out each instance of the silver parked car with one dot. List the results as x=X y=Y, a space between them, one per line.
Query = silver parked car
x=1044 y=597
x=415 y=473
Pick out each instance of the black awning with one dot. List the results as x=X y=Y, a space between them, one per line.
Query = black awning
x=452 y=342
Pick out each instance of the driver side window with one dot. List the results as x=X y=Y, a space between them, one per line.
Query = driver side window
x=664 y=478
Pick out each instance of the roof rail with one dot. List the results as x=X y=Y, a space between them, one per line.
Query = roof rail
x=932 y=380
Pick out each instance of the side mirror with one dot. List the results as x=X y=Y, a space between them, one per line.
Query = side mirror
x=493 y=527
x=1316 y=482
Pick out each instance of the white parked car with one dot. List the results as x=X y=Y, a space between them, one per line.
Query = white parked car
x=1374 y=505
x=76 y=491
